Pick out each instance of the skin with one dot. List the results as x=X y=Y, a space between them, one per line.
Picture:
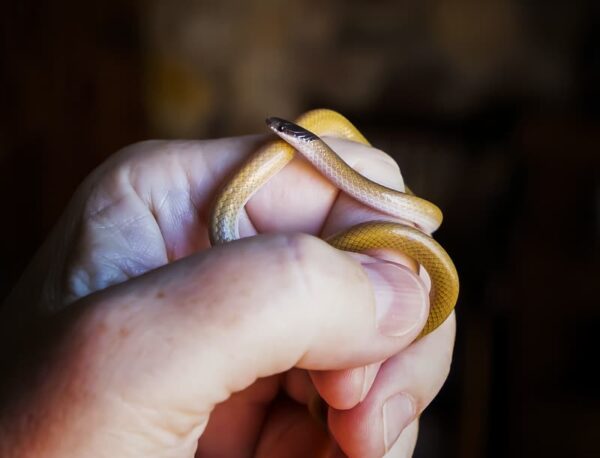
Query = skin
x=128 y=336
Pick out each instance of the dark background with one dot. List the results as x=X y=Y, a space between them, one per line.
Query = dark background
x=491 y=107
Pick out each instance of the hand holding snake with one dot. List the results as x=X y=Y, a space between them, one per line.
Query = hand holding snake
x=130 y=336
x=412 y=240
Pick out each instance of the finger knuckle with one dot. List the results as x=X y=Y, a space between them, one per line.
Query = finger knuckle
x=303 y=257
x=303 y=252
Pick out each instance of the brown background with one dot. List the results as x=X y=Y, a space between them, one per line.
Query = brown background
x=491 y=107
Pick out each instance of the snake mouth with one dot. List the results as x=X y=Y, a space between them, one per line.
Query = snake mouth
x=287 y=128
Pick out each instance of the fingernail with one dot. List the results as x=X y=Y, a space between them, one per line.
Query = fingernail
x=369 y=374
x=401 y=300
x=398 y=411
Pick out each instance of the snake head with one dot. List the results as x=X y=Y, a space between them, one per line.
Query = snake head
x=290 y=132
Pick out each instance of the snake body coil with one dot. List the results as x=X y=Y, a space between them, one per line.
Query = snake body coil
x=303 y=136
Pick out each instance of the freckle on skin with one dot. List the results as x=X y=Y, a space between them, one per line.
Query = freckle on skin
x=124 y=332
x=160 y=295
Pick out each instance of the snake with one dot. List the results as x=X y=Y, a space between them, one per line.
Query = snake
x=412 y=239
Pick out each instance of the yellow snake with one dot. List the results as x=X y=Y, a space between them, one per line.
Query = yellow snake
x=303 y=136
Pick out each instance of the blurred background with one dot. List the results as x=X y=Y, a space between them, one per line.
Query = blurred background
x=491 y=107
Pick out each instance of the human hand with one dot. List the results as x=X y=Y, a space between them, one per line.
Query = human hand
x=128 y=332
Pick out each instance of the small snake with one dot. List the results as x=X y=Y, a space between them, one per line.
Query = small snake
x=412 y=241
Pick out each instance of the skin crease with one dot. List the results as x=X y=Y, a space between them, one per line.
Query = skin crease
x=126 y=333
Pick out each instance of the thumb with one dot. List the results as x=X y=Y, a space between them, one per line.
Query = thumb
x=154 y=355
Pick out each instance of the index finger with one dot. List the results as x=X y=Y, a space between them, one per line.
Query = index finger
x=178 y=180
